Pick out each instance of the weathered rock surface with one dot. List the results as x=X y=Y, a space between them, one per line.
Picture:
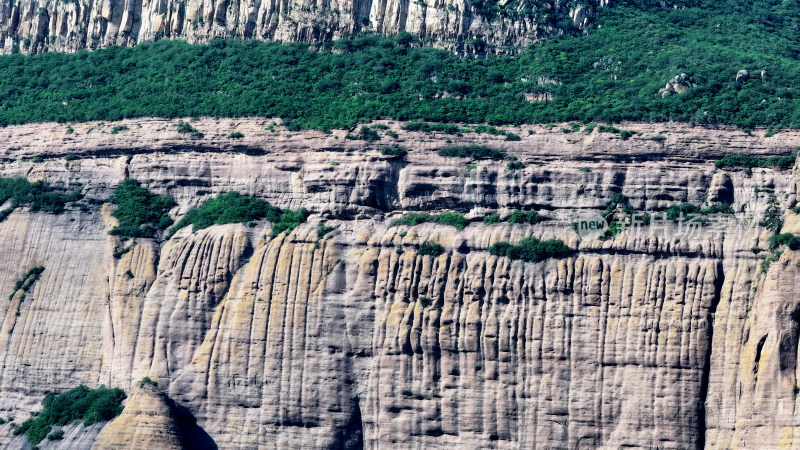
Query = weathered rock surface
x=53 y=25
x=656 y=338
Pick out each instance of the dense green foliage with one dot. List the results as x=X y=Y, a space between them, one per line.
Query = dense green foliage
x=531 y=249
x=430 y=249
x=787 y=239
x=472 y=151
x=39 y=196
x=610 y=74
x=230 y=207
x=689 y=210
x=448 y=218
x=750 y=162
x=140 y=212
x=289 y=220
x=80 y=403
x=394 y=152
x=531 y=217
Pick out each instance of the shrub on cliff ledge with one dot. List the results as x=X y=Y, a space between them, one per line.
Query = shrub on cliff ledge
x=430 y=249
x=230 y=207
x=531 y=249
x=39 y=196
x=80 y=403
x=140 y=212
x=750 y=162
x=448 y=218
x=472 y=151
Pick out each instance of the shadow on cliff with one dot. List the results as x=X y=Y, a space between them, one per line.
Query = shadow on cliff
x=194 y=436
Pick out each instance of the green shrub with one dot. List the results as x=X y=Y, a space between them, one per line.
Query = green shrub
x=424 y=301
x=322 y=230
x=25 y=283
x=77 y=404
x=235 y=135
x=531 y=249
x=39 y=196
x=512 y=137
x=230 y=207
x=118 y=128
x=365 y=134
x=787 y=239
x=427 y=127
x=430 y=249
x=71 y=157
x=147 y=381
x=70 y=130
x=472 y=151
x=750 y=162
x=688 y=210
x=289 y=220
x=531 y=217
x=491 y=219
x=448 y=218
x=141 y=213
x=394 y=152
x=56 y=435
x=515 y=165
x=608 y=129
x=186 y=128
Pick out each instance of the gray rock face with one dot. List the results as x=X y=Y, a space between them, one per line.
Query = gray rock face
x=653 y=338
x=55 y=25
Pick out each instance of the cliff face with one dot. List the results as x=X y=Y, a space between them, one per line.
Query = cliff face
x=53 y=25
x=664 y=337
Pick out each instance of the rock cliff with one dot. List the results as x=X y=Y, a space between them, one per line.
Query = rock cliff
x=53 y=25
x=665 y=336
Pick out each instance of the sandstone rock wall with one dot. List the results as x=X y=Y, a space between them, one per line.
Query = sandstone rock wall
x=55 y=25
x=668 y=337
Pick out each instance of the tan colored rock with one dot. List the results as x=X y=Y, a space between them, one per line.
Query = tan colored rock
x=146 y=422
x=648 y=339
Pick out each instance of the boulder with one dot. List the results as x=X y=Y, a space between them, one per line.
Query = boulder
x=742 y=76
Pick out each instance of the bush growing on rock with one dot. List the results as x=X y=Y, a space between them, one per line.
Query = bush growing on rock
x=77 y=404
x=447 y=218
x=39 y=196
x=394 y=152
x=531 y=249
x=141 y=213
x=472 y=151
x=531 y=217
x=750 y=161
x=230 y=207
x=430 y=249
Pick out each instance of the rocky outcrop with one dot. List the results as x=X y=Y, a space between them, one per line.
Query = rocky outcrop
x=53 y=25
x=665 y=335
x=677 y=85
x=146 y=422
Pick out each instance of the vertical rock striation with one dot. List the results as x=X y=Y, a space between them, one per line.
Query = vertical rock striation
x=662 y=337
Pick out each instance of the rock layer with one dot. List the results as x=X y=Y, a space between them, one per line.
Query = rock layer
x=663 y=336
x=52 y=25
